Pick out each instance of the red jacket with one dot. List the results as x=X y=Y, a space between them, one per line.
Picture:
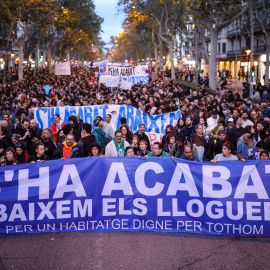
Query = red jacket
x=54 y=130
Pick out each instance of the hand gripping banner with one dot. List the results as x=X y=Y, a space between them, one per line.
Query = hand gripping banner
x=135 y=194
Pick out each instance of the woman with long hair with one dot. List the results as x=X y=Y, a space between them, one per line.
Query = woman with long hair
x=127 y=135
x=135 y=143
x=197 y=146
x=180 y=124
x=170 y=142
x=168 y=129
x=22 y=155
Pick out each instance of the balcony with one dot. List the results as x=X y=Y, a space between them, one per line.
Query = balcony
x=233 y=53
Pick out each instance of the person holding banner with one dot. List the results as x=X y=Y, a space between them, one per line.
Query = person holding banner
x=142 y=136
x=117 y=147
x=68 y=149
x=226 y=155
x=157 y=151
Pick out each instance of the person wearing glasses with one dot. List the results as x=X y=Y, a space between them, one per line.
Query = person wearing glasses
x=117 y=146
x=157 y=151
x=68 y=149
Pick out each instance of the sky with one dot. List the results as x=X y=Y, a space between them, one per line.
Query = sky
x=112 y=24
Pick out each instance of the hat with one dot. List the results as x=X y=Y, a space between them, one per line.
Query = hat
x=214 y=112
x=230 y=119
x=221 y=131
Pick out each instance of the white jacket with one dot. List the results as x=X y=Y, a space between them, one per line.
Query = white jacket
x=110 y=150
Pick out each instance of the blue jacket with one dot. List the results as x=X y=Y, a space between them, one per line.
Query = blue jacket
x=242 y=149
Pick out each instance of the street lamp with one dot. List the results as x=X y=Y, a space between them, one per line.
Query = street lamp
x=12 y=54
x=188 y=55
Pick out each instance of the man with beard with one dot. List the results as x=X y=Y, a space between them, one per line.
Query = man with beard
x=25 y=134
x=47 y=139
x=68 y=149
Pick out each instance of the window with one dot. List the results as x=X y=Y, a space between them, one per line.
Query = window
x=218 y=48
x=223 y=47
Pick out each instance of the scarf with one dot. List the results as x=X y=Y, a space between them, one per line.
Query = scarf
x=69 y=147
x=120 y=149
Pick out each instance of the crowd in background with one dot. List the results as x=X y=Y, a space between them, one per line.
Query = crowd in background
x=215 y=125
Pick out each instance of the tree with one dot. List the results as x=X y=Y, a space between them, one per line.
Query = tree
x=262 y=16
x=168 y=15
x=23 y=16
x=215 y=16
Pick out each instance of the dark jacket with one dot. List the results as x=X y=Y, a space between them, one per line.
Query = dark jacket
x=87 y=141
x=36 y=133
x=194 y=158
x=145 y=138
x=36 y=159
x=188 y=131
x=58 y=153
x=76 y=128
x=49 y=148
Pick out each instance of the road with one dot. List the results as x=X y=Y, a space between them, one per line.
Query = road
x=128 y=250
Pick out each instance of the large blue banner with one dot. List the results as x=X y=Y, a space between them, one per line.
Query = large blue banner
x=135 y=194
x=156 y=123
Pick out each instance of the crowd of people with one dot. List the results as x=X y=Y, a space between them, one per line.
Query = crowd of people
x=215 y=125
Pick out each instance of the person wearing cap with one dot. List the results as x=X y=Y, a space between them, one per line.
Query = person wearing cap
x=142 y=136
x=212 y=121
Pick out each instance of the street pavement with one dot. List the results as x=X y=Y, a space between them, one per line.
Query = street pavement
x=129 y=250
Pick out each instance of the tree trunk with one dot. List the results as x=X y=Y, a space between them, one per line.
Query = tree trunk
x=37 y=56
x=213 y=56
x=156 y=57
x=44 y=59
x=267 y=60
x=235 y=64
x=171 y=60
x=50 y=59
x=20 y=65
x=251 y=48
x=196 y=58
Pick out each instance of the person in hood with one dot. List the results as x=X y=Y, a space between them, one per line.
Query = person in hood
x=57 y=125
x=68 y=149
x=99 y=133
x=75 y=127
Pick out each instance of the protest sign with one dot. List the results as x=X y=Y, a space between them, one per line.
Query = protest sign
x=126 y=85
x=132 y=194
x=136 y=74
x=62 y=68
x=112 y=81
x=153 y=123
x=103 y=68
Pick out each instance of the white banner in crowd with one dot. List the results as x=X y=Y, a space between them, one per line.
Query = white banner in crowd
x=136 y=74
x=62 y=68
x=155 y=124
x=126 y=85
x=112 y=81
